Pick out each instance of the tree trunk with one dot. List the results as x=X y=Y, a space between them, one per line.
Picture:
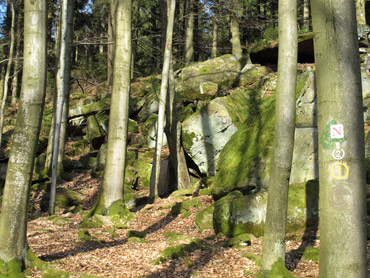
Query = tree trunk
x=62 y=87
x=214 y=39
x=154 y=178
x=13 y=221
x=360 y=12
x=114 y=175
x=306 y=14
x=189 y=34
x=173 y=133
x=15 y=81
x=341 y=140
x=277 y=203
x=234 y=28
x=8 y=69
x=111 y=39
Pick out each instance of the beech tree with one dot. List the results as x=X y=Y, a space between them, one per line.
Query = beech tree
x=154 y=178
x=277 y=202
x=62 y=96
x=13 y=220
x=341 y=140
x=114 y=174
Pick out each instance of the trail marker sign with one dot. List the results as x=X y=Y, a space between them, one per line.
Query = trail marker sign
x=336 y=131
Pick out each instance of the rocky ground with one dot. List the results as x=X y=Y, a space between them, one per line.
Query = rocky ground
x=113 y=252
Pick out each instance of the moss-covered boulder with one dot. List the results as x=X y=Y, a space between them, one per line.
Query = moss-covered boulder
x=236 y=214
x=222 y=71
x=205 y=133
x=204 y=219
x=64 y=198
x=94 y=134
x=244 y=161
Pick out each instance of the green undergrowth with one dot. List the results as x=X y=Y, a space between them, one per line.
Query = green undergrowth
x=58 y=220
x=253 y=257
x=84 y=235
x=179 y=251
x=137 y=240
x=54 y=273
x=174 y=237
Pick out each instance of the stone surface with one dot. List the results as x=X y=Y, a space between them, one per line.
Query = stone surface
x=205 y=133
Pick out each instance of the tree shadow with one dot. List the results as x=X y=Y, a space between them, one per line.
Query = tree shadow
x=96 y=245
x=312 y=223
x=202 y=259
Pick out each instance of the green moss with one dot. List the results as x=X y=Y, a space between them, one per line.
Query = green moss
x=245 y=158
x=119 y=208
x=311 y=254
x=278 y=270
x=84 y=235
x=136 y=240
x=91 y=223
x=173 y=237
x=33 y=261
x=238 y=241
x=101 y=105
x=179 y=251
x=133 y=233
x=112 y=232
x=204 y=219
x=185 y=206
x=58 y=220
x=54 y=273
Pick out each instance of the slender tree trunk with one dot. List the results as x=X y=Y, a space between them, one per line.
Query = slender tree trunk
x=306 y=14
x=173 y=133
x=234 y=28
x=13 y=220
x=277 y=203
x=360 y=12
x=114 y=175
x=111 y=39
x=214 y=39
x=17 y=64
x=62 y=82
x=154 y=178
x=189 y=34
x=8 y=69
x=341 y=140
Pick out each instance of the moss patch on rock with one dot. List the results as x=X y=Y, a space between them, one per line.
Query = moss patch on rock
x=278 y=270
x=238 y=241
x=179 y=251
x=204 y=219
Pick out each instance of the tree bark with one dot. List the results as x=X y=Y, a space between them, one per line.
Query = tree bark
x=214 y=39
x=62 y=99
x=13 y=221
x=111 y=39
x=360 y=12
x=306 y=14
x=189 y=33
x=18 y=32
x=8 y=69
x=114 y=175
x=154 y=178
x=277 y=203
x=234 y=28
x=341 y=140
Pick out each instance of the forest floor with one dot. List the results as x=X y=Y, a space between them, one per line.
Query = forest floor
x=111 y=253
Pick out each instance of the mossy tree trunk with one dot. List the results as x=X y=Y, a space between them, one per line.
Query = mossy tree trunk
x=154 y=178
x=8 y=69
x=114 y=174
x=341 y=140
x=13 y=220
x=189 y=33
x=62 y=96
x=277 y=203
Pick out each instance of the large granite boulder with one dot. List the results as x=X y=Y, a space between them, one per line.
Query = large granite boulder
x=236 y=214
